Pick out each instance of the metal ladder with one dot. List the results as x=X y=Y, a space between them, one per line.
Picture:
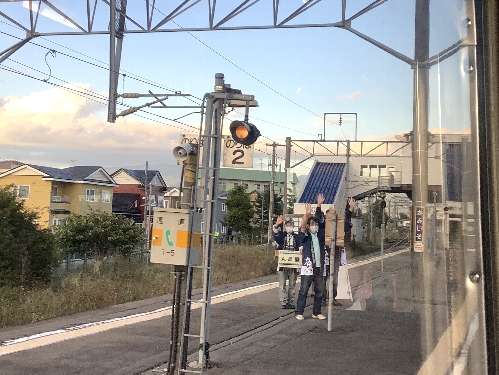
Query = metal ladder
x=211 y=167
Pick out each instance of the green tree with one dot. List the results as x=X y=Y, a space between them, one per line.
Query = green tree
x=27 y=252
x=240 y=211
x=262 y=203
x=99 y=233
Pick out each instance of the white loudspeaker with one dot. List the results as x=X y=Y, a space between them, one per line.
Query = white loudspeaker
x=181 y=152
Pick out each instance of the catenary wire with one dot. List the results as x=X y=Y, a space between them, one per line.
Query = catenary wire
x=134 y=76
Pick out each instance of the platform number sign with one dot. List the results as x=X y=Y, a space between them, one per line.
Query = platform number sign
x=236 y=155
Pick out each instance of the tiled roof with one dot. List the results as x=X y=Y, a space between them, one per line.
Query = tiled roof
x=81 y=172
x=56 y=173
x=241 y=174
x=139 y=174
x=324 y=178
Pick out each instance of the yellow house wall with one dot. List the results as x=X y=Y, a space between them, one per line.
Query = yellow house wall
x=39 y=193
x=64 y=190
x=81 y=206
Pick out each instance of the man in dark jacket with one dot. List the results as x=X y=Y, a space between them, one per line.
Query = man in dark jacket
x=312 y=247
x=286 y=240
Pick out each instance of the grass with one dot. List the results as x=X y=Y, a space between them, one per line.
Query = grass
x=120 y=281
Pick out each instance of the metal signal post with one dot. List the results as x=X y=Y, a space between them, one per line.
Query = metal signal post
x=207 y=175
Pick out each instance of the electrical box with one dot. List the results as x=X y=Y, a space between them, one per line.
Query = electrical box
x=171 y=235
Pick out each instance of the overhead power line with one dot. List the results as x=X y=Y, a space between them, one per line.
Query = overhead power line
x=91 y=96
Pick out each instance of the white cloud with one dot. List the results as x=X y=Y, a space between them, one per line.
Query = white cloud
x=63 y=120
x=55 y=127
x=298 y=90
x=353 y=95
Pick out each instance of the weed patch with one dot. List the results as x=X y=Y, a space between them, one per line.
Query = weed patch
x=119 y=281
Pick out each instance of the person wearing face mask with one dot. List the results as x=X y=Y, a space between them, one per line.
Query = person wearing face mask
x=286 y=240
x=312 y=246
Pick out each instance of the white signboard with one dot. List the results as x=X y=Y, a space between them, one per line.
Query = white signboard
x=236 y=155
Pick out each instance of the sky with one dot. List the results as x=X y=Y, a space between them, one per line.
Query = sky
x=296 y=75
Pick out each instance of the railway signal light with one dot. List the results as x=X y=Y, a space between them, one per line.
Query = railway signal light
x=243 y=132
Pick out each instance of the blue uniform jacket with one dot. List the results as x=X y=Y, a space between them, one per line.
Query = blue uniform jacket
x=280 y=238
x=305 y=240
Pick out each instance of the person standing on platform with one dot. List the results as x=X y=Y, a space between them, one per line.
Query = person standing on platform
x=286 y=240
x=312 y=247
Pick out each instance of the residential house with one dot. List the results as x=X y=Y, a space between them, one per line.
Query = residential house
x=56 y=193
x=132 y=181
x=172 y=197
x=252 y=179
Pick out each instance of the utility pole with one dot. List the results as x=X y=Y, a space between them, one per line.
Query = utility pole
x=382 y=195
x=287 y=162
x=146 y=206
x=371 y=231
x=271 y=196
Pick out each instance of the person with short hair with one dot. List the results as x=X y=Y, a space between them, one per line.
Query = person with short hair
x=312 y=247
x=286 y=240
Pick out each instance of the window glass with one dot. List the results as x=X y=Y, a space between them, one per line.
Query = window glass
x=90 y=195
x=21 y=191
x=364 y=171
x=106 y=196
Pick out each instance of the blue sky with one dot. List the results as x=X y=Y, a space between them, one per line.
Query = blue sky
x=295 y=74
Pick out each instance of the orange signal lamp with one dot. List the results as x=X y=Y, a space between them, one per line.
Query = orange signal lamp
x=243 y=132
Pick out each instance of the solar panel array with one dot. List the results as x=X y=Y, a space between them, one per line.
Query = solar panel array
x=324 y=178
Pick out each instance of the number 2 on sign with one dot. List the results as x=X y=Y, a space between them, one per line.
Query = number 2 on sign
x=241 y=155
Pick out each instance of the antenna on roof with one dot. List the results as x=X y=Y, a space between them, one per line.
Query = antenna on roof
x=73 y=162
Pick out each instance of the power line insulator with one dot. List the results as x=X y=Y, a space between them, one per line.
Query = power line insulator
x=130 y=95
x=128 y=111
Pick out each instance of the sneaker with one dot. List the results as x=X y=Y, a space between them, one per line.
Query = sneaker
x=299 y=317
x=320 y=316
x=291 y=306
x=284 y=307
x=336 y=303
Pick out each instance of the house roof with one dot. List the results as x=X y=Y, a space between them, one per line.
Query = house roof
x=125 y=202
x=5 y=165
x=140 y=174
x=171 y=188
x=240 y=174
x=81 y=174
x=59 y=174
x=85 y=172
x=324 y=178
